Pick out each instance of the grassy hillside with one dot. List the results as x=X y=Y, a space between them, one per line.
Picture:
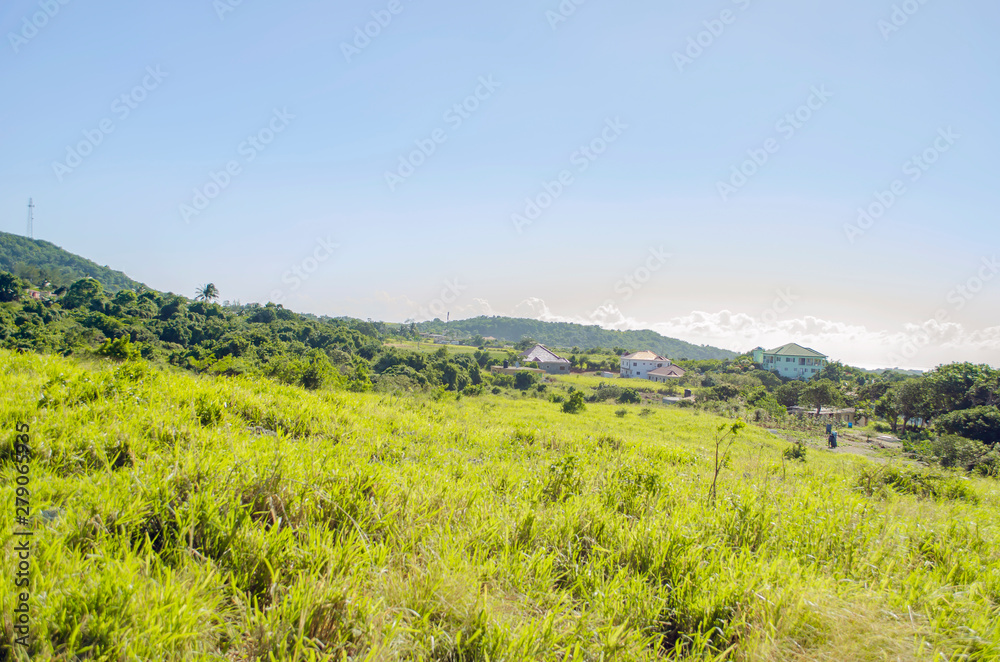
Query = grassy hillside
x=563 y=334
x=182 y=517
x=37 y=261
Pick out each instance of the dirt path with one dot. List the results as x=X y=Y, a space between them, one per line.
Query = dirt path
x=882 y=448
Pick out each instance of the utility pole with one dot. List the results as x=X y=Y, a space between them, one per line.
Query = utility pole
x=31 y=219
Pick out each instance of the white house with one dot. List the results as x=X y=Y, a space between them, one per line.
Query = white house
x=792 y=361
x=640 y=364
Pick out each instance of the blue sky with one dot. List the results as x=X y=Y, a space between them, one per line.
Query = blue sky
x=117 y=118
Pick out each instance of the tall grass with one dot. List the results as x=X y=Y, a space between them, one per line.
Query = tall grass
x=211 y=518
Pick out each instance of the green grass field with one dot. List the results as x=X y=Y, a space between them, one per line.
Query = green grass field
x=192 y=518
x=593 y=381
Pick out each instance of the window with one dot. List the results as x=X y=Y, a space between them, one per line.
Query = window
x=635 y=364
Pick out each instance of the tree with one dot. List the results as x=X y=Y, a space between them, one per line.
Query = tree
x=788 y=394
x=725 y=431
x=986 y=390
x=207 y=293
x=833 y=372
x=912 y=399
x=11 y=287
x=820 y=394
x=950 y=386
x=83 y=293
x=526 y=343
x=979 y=423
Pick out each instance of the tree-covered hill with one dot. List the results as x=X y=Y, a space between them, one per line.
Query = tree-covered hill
x=563 y=334
x=38 y=261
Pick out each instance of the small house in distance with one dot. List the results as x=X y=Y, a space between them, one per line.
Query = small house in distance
x=792 y=361
x=666 y=373
x=639 y=364
x=547 y=360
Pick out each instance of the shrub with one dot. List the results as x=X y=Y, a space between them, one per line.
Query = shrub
x=620 y=413
x=575 y=403
x=121 y=349
x=796 y=452
x=954 y=451
x=879 y=481
x=629 y=396
x=524 y=380
x=988 y=465
x=979 y=423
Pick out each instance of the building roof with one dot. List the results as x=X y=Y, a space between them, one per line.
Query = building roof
x=644 y=356
x=794 y=349
x=669 y=371
x=542 y=354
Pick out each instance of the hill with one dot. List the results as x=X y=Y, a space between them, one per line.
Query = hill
x=564 y=334
x=37 y=261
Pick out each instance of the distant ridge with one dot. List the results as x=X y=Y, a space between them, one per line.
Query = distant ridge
x=36 y=260
x=567 y=335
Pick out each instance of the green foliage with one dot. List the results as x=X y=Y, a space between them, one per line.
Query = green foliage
x=979 y=423
x=954 y=451
x=883 y=480
x=85 y=293
x=574 y=405
x=524 y=379
x=796 y=451
x=121 y=349
x=11 y=287
x=629 y=396
x=821 y=393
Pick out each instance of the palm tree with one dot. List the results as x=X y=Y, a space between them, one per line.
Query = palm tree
x=207 y=293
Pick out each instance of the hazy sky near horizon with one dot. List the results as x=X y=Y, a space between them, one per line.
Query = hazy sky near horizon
x=697 y=168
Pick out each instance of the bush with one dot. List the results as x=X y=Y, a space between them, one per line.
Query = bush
x=523 y=380
x=575 y=403
x=988 y=465
x=880 y=481
x=620 y=413
x=979 y=423
x=629 y=396
x=119 y=350
x=796 y=452
x=954 y=451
